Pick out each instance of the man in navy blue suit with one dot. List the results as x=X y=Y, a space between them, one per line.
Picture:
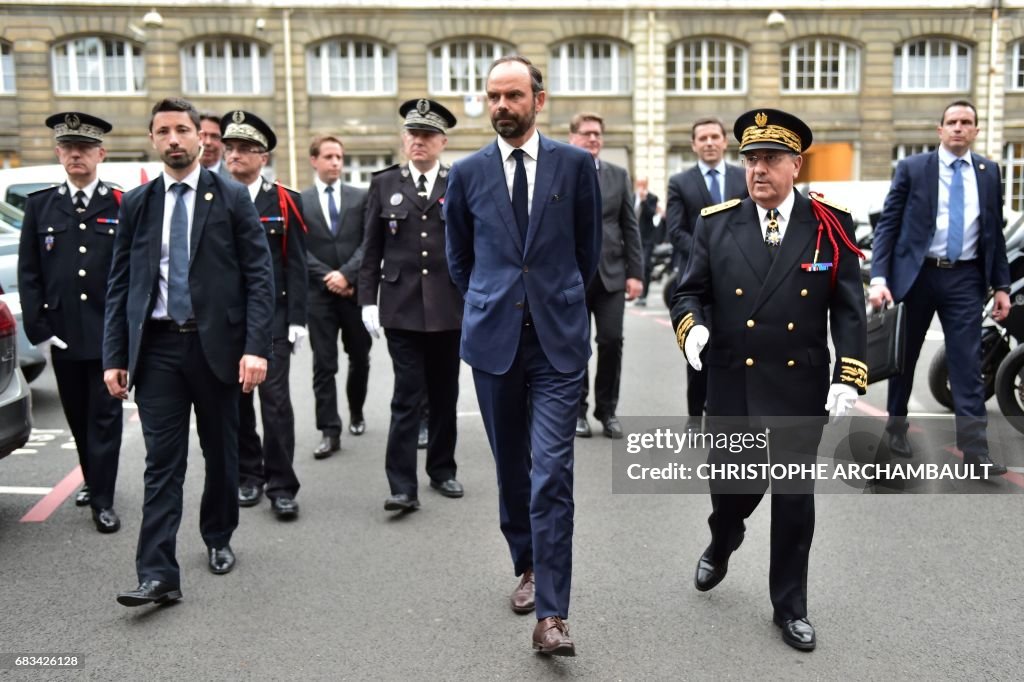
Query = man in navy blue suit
x=523 y=240
x=939 y=247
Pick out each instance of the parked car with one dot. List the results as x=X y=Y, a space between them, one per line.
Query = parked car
x=15 y=396
x=31 y=360
x=11 y=218
x=17 y=183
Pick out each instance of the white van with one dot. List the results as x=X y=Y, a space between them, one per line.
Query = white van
x=17 y=183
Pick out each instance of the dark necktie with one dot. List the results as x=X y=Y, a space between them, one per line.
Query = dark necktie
x=716 y=194
x=772 y=236
x=332 y=209
x=520 y=192
x=80 y=201
x=955 y=237
x=179 y=299
x=421 y=187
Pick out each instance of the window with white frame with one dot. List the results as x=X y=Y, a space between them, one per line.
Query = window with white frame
x=227 y=66
x=351 y=67
x=6 y=68
x=97 y=65
x=933 y=64
x=591 y=66
x=902 y=151
x=1013 y=175
x=820 y=65
x=1015 y=66
x=706 y=65
x=460 y=68
x=359 y=167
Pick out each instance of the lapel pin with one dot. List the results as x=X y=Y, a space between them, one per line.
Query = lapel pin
x=981 y=166
x=396 y=199
x=209 y=196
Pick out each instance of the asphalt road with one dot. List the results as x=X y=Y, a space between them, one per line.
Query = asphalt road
x=906 y=587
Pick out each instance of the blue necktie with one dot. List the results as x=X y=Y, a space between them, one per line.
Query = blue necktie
x=332 y=209
x=520 y=192
x=955 y=236
x=179 y=299
x=716 y=194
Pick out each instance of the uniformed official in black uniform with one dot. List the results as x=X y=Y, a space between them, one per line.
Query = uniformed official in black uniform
x=419 y=306
x=774 y=270
x=248 y=141
x=63 y=259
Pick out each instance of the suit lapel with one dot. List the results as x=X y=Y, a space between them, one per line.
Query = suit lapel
x=702 y=186
x=800 y=231
x=931 y=174
x=409 y=190
x=205 y=196
x=98 y=204
x=735 y=182
x=499 y=191
x=548 y=163
x=311 y=211
x=266 y=199
x=153 y=210
x=747 y=233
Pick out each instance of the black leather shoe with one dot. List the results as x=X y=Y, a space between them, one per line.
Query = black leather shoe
x=798 y=632
x=401 y=502
x=978 y=461
x=424 y=438
x=249 y=494
x=709 y=573
x=328 y=446
x=583 y=428
x=449 y=488
x=221 y=560
x=285 y=508
x=150 y=592
x=106 y=520
x=612 y=427
x=357 y=427
x=84 y=497
x=899 y=445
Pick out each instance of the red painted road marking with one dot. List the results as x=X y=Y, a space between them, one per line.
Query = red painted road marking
x=46 y=506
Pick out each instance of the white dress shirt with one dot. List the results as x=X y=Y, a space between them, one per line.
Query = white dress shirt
x=531 y=149
x=192 y=180
x=972 y=207
x=782 y=215
x=321 y=186
x=720 y=178
x=87 y=190
x=431 y=175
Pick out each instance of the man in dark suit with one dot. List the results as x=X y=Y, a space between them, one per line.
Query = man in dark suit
x=762 y=297
x=621 y=269
x=524 y=236
x=334 y=214
x=420 y=308
x=645 y=205
x=248 y=141
x=711 y=181
x=66 y=243
x=188 y=318
x=213 y=158
x=939 y=247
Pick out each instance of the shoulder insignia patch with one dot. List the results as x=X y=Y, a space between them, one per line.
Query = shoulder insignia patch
x=724 y=206
x=822 y=200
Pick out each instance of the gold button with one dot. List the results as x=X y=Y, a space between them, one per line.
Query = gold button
x=81 y=226
x=423 y=217
x=424 y=271
x=750 y=323
x=110 y=231
x=81 y=273
x=49 y=229
x=750 y=362
x=790 y=363
x=392 y=215
x=423 y=253
x=803 y=292
x=272 y=231
x=423 y=234
x=45 y=306
x=790 y=326
x=82 y=249
x=739 y=292
x=84 y=297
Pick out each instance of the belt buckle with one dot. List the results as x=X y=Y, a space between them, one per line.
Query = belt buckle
x=944 y=263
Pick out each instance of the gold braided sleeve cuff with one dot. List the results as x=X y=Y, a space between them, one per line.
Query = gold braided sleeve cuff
x=853 y=371
x=682 y=328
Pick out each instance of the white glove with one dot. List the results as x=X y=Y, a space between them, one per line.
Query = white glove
x=840 y=401
x=371 y=320
x=44 y=346
x=296 y=333
x=696 y=339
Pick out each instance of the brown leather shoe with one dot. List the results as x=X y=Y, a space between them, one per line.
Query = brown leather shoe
x=522 y=597
x=551 y=636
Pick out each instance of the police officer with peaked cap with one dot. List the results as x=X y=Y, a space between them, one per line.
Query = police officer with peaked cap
x=64 y=256
x=248 y=141
x=405 y=288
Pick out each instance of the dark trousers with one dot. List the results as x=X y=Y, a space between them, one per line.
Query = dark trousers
x=330 y=315
x=607 y=309
x=648 y=258
x=696 y=391
x=95 y=418
x=173 y=376
x=533 y=453
x=958 y=296
x=426 y=364
x=271 y=462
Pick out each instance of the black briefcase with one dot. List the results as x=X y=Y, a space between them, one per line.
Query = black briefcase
x=887 y=334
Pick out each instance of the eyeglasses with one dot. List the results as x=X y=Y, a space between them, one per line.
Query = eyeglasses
x=242 y=149
x=771 y=159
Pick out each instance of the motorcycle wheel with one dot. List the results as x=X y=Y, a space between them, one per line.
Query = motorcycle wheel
x=669 y=288
x=938 y=373
x=1010 y=387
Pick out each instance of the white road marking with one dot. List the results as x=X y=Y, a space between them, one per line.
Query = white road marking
x=23 y=490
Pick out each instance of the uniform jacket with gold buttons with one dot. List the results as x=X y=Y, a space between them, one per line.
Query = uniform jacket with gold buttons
x=768 y=351
x=63 y=262
x=404 y=255
x=288 y=255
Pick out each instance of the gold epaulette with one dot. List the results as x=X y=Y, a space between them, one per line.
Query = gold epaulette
x=725 y=205
x=822 y=200
x=852 y=371
x=684 y=326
